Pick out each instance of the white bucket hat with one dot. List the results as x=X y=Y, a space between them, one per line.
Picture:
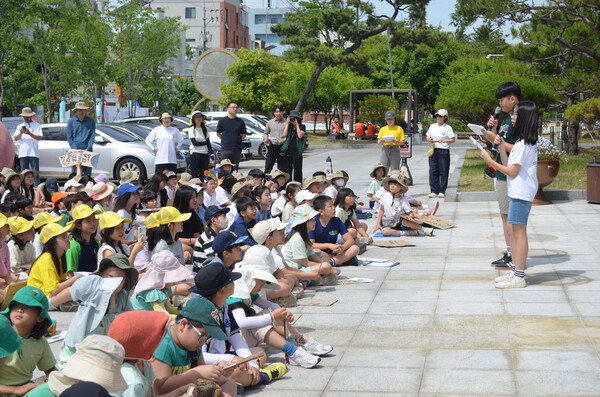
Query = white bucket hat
x=258 y=263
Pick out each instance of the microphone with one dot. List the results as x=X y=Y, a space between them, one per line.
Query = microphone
x=496 y=116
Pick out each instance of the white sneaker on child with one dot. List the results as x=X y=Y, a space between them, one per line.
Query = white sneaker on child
x=304 y=359
x=428 y=231
x=316 y=348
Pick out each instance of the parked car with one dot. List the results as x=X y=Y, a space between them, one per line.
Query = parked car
x=119 y=150
x=251 y=120
x=178 y=121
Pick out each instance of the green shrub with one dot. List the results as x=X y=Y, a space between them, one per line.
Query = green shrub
x=457 y=125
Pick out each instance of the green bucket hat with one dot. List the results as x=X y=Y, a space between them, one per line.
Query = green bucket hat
x=10 y=341
x=30 y=296
x=122 y=262
x=203 y=311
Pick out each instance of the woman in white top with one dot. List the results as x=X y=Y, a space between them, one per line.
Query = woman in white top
x=165 y=140
x=200 y=149
x=439 y=164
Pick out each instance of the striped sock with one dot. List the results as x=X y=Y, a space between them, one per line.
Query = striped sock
x=518 y=273
x=508 y=252
x=511 y=265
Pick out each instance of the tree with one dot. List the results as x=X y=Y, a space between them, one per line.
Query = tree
x=185 y=94
x=256 y=81
x=328 y=32
x=472 y=100
x=373 y=107
x=587 y=111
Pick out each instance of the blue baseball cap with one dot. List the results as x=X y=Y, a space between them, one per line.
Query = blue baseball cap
x=213 y=210
x=226 y=239
x=126 y=188
x=52 y=185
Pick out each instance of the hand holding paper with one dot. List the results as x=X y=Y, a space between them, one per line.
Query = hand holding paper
x=474 y=142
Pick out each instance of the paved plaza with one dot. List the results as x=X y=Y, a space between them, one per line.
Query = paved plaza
x=435 y=324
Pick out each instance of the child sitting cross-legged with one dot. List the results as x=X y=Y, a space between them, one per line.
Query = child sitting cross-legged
x=216 y=221
x=345 y=209
x=28 y=314
x=393 y=205
x=331 y=236
x=267 y=326
x=178 y=360
x=215 y=283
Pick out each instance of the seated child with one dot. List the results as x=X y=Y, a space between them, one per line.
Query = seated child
x=82 y=255
x=345 y=209
x=331 y=236
x=178 y=360
x=215 y=283
x=392 y=206
x=216 y=221
x=170 y=223
x=378 y=172
x=245 y=219
x=228 y=247
x=102 y=194
x=41 y=220
x=267 y=326
x=153 y=290
x=28 y=314
x=7 y=276
x=337 y=181
x=262 y=195
x=290 y=200
x=20 y=246
x=297 y=249
x=49 y=272
x=97 y=359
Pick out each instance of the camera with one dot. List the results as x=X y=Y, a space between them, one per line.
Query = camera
x=294 y=118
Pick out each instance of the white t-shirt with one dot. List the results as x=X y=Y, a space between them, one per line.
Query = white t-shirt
x=221 y=196
x=129 y=228
x=525 y=184
x=331 y=191
x=28 y=147
x=439 y=132
x=198 y=134
x=210 y=199
x=391 y=204
x=294 y=250
x=278 y=205
x=105 y=247
x=167 y=140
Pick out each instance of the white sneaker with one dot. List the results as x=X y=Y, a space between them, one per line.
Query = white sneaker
x=432 y=195
x=513 y=282
x=504 y=277
x=441 y=195
x=428 y=231
x=304 y=359
x=316 y=348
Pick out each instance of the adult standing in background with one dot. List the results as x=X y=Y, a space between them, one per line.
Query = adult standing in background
x=164 y=140
x=273 y=137
x=439 y=164
x=201 y=149
x=293 y=147
x=231 y=130
x=81 y=132
x=391 y=136
x=28 y=133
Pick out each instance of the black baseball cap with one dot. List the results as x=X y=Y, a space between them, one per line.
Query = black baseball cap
x=213 y=210
x=213 y=277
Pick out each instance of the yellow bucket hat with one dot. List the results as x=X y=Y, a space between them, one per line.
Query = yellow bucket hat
x=171 y=215
x=111 y=219
x=83 y=211
x=19 y=225
x=52 y=230
x=43 y=218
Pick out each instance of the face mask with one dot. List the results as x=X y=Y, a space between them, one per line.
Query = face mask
x=274 y=196
x=222 y=222
x=340 y=182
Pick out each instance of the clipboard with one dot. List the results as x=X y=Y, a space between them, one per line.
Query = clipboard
x=477 y=129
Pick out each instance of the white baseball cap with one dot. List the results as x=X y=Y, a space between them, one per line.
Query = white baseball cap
x=72 y=183
x=303 y=195
x=262 y=229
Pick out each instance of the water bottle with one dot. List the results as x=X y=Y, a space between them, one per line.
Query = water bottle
x=328 y=167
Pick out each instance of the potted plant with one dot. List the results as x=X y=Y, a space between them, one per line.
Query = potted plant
x=548 y=165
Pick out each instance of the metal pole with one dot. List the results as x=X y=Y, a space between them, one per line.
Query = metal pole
x=390 y=59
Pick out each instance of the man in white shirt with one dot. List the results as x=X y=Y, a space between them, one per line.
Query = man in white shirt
x=27 y=135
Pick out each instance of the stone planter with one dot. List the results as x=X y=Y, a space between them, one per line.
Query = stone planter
x=547 y=170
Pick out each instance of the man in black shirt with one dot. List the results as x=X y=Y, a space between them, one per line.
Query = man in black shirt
x=231 y=130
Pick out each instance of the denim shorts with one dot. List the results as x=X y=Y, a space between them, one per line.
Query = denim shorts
x=518 y=211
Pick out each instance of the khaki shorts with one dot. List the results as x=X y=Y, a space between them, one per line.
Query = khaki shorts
x=501 y=188
x=256 y=336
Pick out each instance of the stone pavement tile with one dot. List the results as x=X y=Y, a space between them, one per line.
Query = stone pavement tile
x=476 y=295
x=572 y=361
x=468 y=359
x=468 y=382
x=396 y=322
x=328 y=321
x=418 y=264
x=406 y=296
x=393 y=308
x=557 y=383
x=531 y=295
x=581 y=283
x=400 y=273
x=418 y=251
x=468 y=283
x=362 y=394
x=309 y=379
x=469 y=308
x=383 y=358
x=270 y=390
x=351 y=292
x=475 y=272
x=588 y=309
x=452 y=339
x=411 y=284
x=390 y=339
x=340 y=307
x=516 y=308
x=548 y=333
x=375 y=380
x=468 y=251
x=583 y=296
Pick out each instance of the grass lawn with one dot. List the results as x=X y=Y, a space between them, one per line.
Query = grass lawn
x=320 y=138
x=572 y=173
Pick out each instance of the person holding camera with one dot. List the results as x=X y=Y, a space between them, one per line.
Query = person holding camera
x=293 y=147
x=28 y=134
x=273 y=137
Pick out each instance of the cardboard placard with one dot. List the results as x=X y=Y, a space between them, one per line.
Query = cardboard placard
x=74 y=156
x=392 y=243
x=431 y=220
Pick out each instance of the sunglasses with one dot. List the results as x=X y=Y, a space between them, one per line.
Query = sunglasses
x=437 y=115
x=201 y=337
